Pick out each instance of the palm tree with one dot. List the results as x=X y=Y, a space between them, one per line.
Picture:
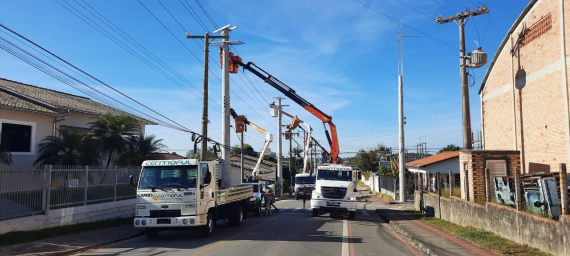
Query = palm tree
x=71 y=149
x=111 y=130
x=141 y=148
x=5 y=155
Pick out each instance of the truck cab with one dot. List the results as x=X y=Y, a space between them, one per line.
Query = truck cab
x=335 y=190
x=184 y=193
x=304 y=185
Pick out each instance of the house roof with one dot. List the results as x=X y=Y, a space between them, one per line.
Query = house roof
x=504 y=42
x=25 y=97
x=433 y=159
x=255 y=158
x=249 y=167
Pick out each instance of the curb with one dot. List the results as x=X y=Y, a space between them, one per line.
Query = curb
x=89 y=247
x=405 y=234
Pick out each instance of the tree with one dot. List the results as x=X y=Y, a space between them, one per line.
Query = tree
x=112 y=131
x=450 y=147
x=384 y=171
x=141 y=148
x=366 y=160
x=247 y=150
x=5 y=155
x=196 y=155
x=71 y=149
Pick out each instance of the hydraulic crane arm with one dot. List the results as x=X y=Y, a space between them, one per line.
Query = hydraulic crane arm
x=294 y=125
x=291 y=94
x=268 y=139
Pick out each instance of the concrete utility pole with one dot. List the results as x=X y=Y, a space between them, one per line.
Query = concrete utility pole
x=225 y=48
x=279 y=173
x=401 y=118
x=460 y=20
x=204 y=142
x=241 y=160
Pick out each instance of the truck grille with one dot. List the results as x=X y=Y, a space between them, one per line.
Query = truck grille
x=333 y=192
x=165 y=213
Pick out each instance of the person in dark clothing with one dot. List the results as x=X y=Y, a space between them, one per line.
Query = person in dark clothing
x=267 y=198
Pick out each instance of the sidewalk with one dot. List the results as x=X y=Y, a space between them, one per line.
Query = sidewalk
x=431 y=240
x=74 y=243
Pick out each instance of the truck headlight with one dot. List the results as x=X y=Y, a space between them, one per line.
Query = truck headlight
x=141 y=206
x=144 y=222
x=137 y=222
x=192 y=221
x=185 y=221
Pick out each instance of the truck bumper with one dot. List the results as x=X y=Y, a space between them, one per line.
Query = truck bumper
x=167 y=222
x=333 y=205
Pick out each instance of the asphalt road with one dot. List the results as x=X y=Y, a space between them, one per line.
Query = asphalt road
x=288 y=232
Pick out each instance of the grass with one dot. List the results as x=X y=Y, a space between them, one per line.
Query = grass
x=381 y=195
x=456 y=192
x=483 y=238
x=29 y=236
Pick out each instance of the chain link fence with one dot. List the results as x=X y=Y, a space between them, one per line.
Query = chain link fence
x=36 y=190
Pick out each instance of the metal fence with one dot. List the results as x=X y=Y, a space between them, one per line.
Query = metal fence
x=36 y=190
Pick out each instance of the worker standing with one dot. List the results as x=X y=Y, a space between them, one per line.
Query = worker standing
x=267 y=198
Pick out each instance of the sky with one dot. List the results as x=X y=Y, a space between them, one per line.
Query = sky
x=339 y=55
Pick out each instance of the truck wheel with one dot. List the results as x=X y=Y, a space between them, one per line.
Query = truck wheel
x=315 y=212
x=236 y=217
x=351 y=215
x=208 y=229
x=258 y=209
x=151 y=233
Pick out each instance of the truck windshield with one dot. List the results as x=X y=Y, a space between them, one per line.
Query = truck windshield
x=161 y=177
x=304 y=180
x=334 y=175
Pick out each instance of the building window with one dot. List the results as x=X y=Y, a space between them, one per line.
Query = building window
x=17 y=136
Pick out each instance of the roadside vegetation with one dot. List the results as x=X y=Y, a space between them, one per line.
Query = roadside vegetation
x=29 y=236
x=483 y=238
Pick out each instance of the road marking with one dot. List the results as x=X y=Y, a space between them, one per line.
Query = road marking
x=350 y=241
x=345 y=251
x=231 y=238
x=365 y=213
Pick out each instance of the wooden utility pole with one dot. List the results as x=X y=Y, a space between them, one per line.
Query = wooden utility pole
x=460 y=20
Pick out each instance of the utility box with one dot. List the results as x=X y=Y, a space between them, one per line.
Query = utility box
x=273 y=110
x=240 y=124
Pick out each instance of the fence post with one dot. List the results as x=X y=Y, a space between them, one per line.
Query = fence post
x=450 y=181
x=115 y=187
x=86 y=185
x=428 y=175
x=438 y=184
x=564 y=189
x=518 y=189
x=47 y=190
x=487 y=183
x=415 y=181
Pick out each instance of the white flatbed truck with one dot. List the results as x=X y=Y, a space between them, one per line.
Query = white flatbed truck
x=174 y=194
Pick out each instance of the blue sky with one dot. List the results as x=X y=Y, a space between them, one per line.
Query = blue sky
x=338 y=54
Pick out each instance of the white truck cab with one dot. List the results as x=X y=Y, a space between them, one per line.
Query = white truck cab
x=184 y=193
x=335 y=190
x=304 y=185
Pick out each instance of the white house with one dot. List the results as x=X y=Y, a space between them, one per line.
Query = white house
x=28 y=114
x=442 y=162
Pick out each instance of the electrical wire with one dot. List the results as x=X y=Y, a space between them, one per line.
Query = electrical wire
x=418 y=11
x=443 y=6
x=403 y=24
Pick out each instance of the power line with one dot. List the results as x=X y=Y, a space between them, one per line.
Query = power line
x=418 y=11
x=443 y=6
x=426 y=35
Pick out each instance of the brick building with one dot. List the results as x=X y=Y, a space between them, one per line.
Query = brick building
x=524 y=95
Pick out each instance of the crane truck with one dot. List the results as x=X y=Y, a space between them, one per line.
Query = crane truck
x=175 y=194
x=335 y=189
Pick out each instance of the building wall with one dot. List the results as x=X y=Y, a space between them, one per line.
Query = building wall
x=444 y=166
x=532 y=119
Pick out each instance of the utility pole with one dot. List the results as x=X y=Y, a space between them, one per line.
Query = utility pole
x=460 y=20
x=401 y=118
x=225 y=50
x=279 y=174
x=241 y=160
